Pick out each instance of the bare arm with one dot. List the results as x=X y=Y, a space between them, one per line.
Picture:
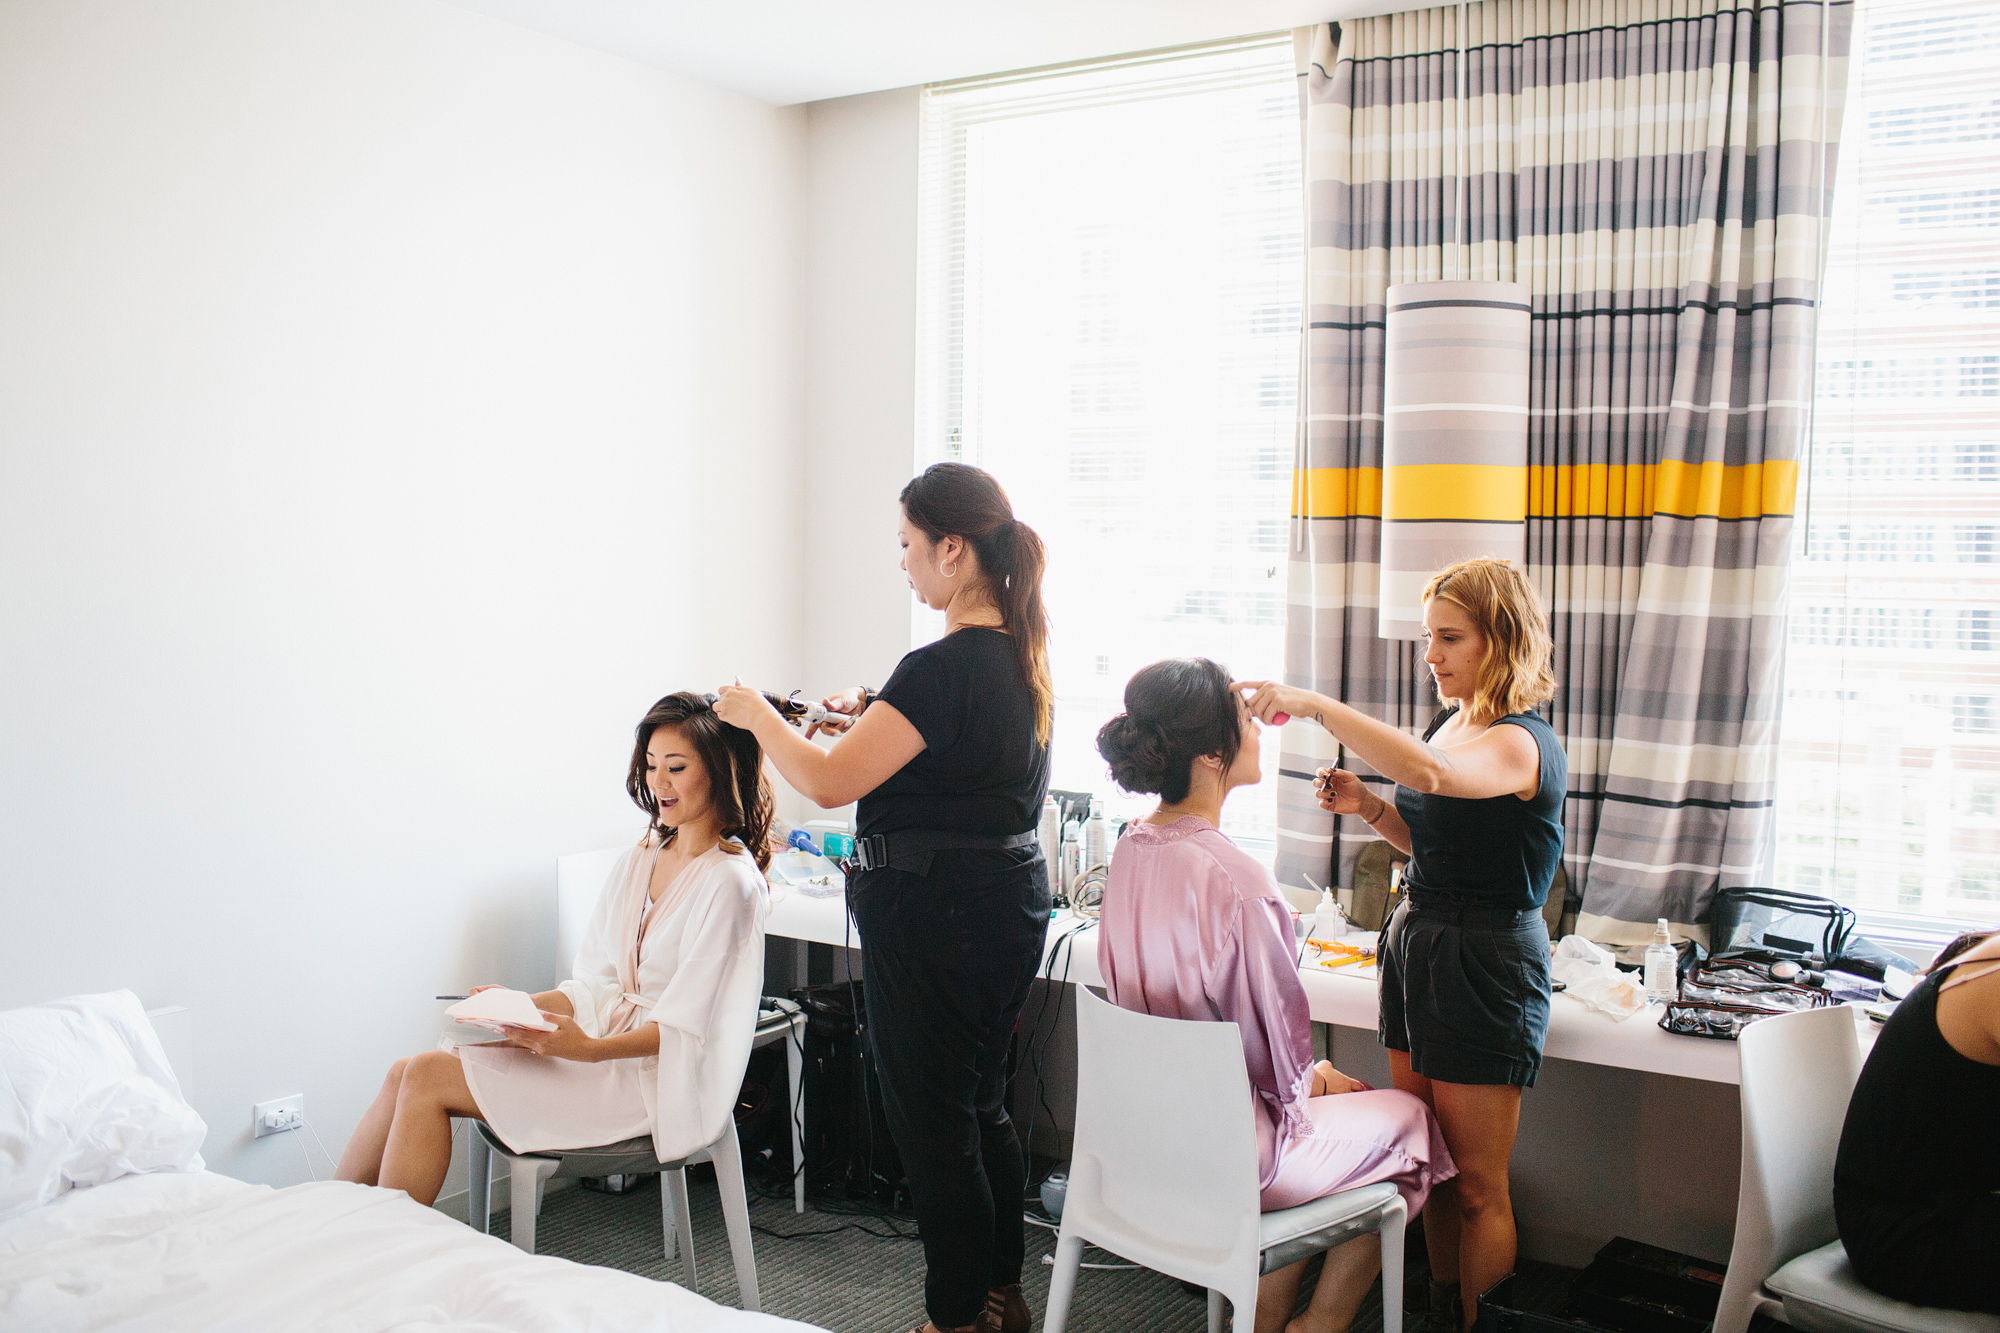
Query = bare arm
x=1345 y=794
x=1501 y=761
x=880 y=742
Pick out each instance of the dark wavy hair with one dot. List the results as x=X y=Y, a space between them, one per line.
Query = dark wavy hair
x=1971 y=939
x=958 y=500
x=737 y=786
x=1175 y=712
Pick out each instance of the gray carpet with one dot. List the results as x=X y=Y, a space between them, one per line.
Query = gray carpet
x=853 y=1282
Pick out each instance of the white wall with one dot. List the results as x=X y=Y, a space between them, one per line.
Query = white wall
x=393 y=403
x=861 y=388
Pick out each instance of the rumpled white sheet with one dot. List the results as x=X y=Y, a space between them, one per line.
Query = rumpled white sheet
x=1589 y=975
x=174 y=1251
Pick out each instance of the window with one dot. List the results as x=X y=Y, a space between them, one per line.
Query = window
x=1889 y=765
x=1112 y=270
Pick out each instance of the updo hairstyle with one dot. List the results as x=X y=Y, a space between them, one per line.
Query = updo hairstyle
x=1176 y=711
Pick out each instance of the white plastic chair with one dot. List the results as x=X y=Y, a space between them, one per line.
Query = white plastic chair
x=781 y=1020
x=1164 y=1171
x=1798 y=1072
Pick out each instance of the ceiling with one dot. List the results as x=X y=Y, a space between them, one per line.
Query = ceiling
x=787 y=51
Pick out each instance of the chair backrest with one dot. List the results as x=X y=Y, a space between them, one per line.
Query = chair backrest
x=1163 y=1119
x=1798 y=1072
x=580 y=880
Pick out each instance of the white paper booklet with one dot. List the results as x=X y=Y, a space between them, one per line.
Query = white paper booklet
x=499 y=1009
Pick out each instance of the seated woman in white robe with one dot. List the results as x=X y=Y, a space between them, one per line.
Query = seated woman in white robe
x=653 y=1028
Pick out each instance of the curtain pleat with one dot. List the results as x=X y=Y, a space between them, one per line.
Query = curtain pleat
x=1657 y=173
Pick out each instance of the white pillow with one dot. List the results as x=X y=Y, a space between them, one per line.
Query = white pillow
x=87 y=1096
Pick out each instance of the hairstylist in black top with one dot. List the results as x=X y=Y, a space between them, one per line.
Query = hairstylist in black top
x=950 y=765
x=1465 y=971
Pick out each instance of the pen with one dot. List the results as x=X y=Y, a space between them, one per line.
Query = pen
x=454 y=997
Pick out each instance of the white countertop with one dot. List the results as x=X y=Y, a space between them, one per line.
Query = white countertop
x=1346 y=998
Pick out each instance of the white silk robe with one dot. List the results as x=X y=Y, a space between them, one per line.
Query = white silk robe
x=693 y=963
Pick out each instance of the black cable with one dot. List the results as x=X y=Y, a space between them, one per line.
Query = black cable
x=1037 y=1053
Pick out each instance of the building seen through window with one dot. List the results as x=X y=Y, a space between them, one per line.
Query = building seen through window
x=1890 y=761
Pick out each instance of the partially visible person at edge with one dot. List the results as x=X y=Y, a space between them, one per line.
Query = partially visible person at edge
x=1465 y=967
x=950 y=765
x=1193 y=928
x=1916 y=1183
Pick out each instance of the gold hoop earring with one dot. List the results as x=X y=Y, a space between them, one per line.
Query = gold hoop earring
x=951 y=573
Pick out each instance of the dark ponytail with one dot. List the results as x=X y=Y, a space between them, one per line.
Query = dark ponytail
x=1175 y=712
x=737 y=786
x=957 y=500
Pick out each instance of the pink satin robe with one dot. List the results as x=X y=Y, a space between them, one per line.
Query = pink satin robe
x=1194 y=928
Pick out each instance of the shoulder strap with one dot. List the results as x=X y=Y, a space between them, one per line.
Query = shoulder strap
x=1976 y=962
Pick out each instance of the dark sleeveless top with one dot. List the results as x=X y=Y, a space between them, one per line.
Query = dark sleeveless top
x=1921 y=1129
x=1499 y=853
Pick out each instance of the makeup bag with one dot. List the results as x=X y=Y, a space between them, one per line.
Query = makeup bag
x=1804 y=925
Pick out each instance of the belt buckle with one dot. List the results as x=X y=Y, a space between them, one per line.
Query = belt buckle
x=872 y=851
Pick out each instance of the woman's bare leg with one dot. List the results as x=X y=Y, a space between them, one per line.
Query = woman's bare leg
x=361 y=1161
x=418 y=1151
x=1277 y=1293
x=1343 y=1284
x=1479 y=1123
x=1440 y=1215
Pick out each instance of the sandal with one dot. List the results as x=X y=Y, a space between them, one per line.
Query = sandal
x=1007 y=1310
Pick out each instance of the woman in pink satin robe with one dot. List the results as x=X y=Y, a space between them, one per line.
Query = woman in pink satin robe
x=1194 y=928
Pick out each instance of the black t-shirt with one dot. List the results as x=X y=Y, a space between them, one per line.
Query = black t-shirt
x=981 y=770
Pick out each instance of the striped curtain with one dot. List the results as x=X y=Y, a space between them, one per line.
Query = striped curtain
x=1657 y=173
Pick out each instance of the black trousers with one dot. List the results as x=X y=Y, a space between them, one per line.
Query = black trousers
x=949 y=958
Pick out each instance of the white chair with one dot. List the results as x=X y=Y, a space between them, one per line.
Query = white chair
x=780 y=1020
x=1798 y=1072
x=1164 y=1170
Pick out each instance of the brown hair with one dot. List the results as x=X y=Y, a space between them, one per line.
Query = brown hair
x=957 y=500
x=735 y=762
x=1970 y=940
x=1515 y=676
x=1176 y=711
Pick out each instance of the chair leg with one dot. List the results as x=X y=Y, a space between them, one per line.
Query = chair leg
x=675 y=1182
x=728 y=1159
x=795 y=1062
x=1214 y=1311
x=1394 y=1218
x=1062 y=1282
x=478 y=1180
x=527 y=1175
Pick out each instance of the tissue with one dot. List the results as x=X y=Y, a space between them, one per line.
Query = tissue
x=1589 y=975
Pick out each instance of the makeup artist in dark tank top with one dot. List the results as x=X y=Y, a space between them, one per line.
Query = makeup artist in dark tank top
x=950 y=765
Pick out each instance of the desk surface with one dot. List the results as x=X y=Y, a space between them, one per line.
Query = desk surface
x=1347 y=999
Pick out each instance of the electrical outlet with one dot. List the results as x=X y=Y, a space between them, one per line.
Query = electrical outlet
x=278 y=1115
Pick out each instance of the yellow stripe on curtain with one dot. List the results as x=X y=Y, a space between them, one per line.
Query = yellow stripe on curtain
x=1594 y=490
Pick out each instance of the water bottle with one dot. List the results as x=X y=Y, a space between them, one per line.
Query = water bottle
x=1662 y=962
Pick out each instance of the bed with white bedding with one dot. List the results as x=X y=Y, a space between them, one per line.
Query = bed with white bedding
x=109 y=1221
x=194 y=1250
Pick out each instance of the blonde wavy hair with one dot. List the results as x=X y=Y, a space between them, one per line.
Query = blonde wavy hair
x=1516 y=676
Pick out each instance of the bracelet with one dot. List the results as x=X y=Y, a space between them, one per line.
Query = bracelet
x=1381 y=808
x=868 y=696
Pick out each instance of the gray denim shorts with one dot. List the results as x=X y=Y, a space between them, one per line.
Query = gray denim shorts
x=1465 y=991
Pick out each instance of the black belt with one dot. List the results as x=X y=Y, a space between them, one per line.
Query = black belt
x=1468 y=913
x=912 y=849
